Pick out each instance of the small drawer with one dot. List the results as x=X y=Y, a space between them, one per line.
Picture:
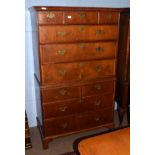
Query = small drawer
x=78 y=17
x=97 y=102
x=98 y=87
x=61 y=108
x=98 y=69
x=56 y=73
x=77 y=51
x=95 y=118
x=50 y=95
x=50 y=17
x=77 y=33
x=56 y=126
x=108 y=17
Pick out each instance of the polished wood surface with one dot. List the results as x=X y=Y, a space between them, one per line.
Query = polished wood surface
x=113 y=143
x=75 y=68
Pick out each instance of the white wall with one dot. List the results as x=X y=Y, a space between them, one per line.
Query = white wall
x=30 y=104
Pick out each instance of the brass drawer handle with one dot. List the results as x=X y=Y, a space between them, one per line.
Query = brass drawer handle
x=82 y=15
x=82 y=45
x=97 y=103
x=62 y=92
x=98 y=87
x=62 y=72
x=50 y=15
x=97 y=119
x=63 y=109
x=82 y=28
x=61 y=33
x=64 y=125
x=61 y=52
x=109 y=15
x=100 y=31
x=98 y=68
x=99 y=49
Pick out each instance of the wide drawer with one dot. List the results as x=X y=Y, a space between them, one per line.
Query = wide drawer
x=50 y=95
x=98 y=87
x=94 y=118
x=98 y=101
x=108 y=17
x=72 y=33
x=50 y=17
x=79 y=17
x=61 y=108
x=60 y=125
x=77 y=51
x=52 y=73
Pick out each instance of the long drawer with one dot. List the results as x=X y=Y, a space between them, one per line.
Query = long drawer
x=55 y=53
x=73 y=33
x=52 y=73
x=56 y=126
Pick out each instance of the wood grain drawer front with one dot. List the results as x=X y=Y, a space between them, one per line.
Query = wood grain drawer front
x=50 y=95
x=59 y=125
x=78 y=17
x=77 y=51
x=98 y=87
x=54 y=73
x=95 y=118
x=61 y=108
x=98 y=101
x=97 y=69
x=73 y=33
x=108 y=17
x=53 y=17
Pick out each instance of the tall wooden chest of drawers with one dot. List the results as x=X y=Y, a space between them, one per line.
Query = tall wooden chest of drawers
x=75 y=55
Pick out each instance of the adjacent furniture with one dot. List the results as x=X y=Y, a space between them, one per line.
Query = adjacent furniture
x=123 y=67
x=112 y=143
x=75 y=57
x=28 y=143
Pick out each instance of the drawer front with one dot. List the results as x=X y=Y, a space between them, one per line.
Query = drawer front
x=70 y=33
x=50 y=17
x=54 y=73
x=95 y=118
x=61 y=108
x=97 y=102
x=77 y=51
x=97 y=69
x=59 y=125
x=50 y=95
x=79 y=17
x=98 y=87
x=108 y=17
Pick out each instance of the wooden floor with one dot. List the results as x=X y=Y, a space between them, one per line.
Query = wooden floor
x=62 y=144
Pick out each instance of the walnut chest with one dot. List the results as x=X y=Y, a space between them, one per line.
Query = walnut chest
x=75 y=55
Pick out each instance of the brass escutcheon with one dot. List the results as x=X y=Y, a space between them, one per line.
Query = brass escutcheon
x=109 y=15
x=50 y=15
x=61 y=33
x=98 y=87
x=100 y=31
x=82 y=15
x=97 y=103
x=61 y=52
x=63 y=109
x=99 y=49
x=64 y=125
x=63 y=92
x=62 y=72
x=97 y=119
x=98 y=68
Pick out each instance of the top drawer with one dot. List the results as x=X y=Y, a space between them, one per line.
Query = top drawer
x=78 y=17
x=108 y=17
x=53 y=17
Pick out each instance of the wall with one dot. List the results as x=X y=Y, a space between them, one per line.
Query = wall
x=30 y=104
